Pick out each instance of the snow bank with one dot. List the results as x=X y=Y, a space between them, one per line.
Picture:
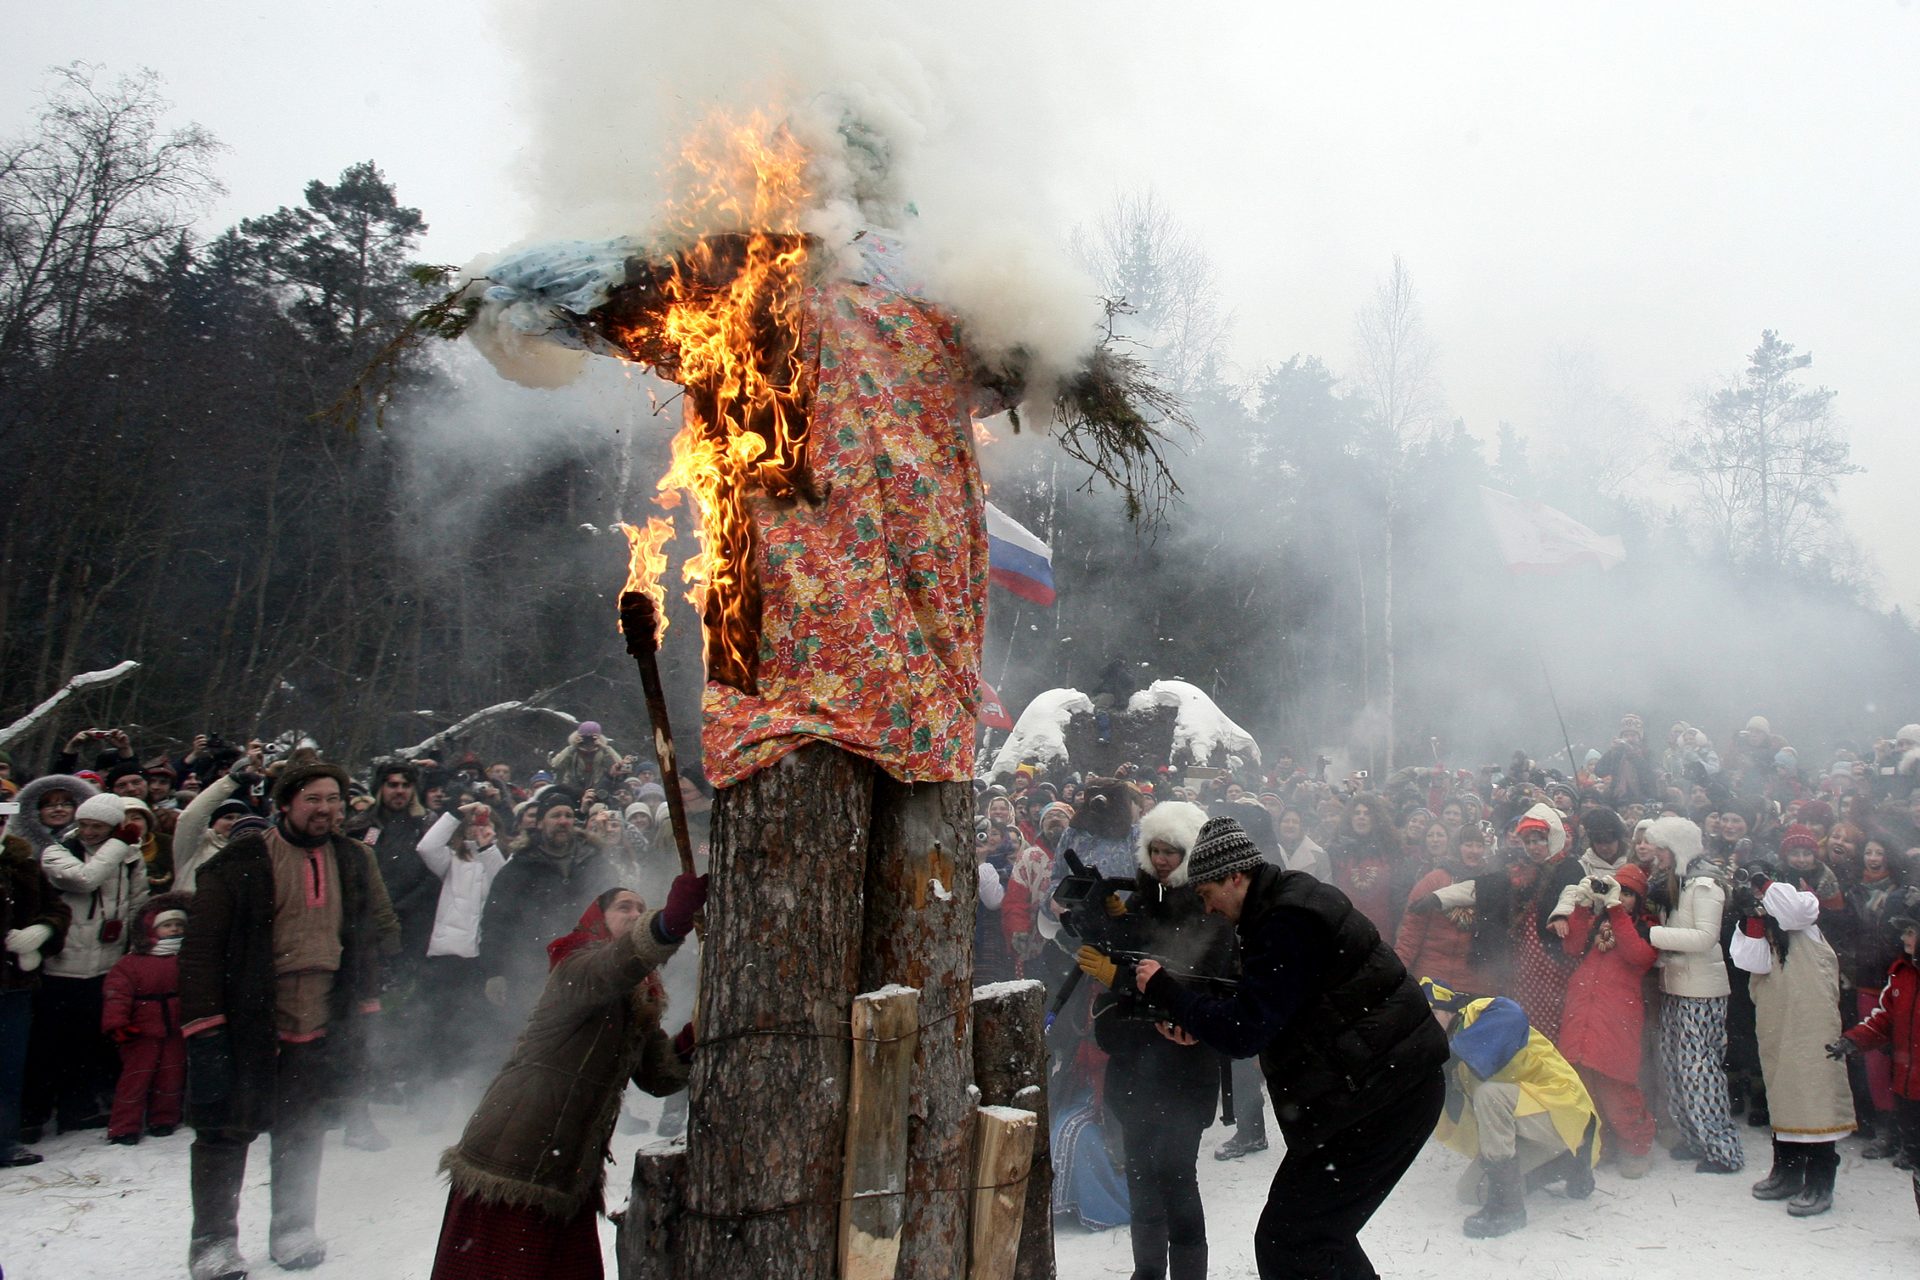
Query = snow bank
x=1200 y=729
x=1040 y=735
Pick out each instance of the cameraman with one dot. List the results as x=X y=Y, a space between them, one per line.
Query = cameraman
x=1160 y=1083
x=1351 y=1052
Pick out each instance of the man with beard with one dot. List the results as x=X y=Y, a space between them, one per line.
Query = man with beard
x=1351 y=1053
x=535 y=899
x=276 y=976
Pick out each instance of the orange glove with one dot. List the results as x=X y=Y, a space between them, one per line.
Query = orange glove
x=1096 y=966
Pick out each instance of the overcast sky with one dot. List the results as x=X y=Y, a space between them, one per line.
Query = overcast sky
x=1651 y=183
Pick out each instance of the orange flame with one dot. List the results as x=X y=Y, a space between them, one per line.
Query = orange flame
x=723 y=320
x=646 y=562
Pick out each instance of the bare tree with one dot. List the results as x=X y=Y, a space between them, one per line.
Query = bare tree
x=1765 y=457
x=1138 y=251
x=1394 y=373
x=1593 y=434
x=95 y=190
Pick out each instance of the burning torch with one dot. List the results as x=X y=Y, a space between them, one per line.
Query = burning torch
x=642 y=621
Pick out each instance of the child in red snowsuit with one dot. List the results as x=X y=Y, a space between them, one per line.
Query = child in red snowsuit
x=1600 y=1030
x=141 y=1013
x=1893 y=1025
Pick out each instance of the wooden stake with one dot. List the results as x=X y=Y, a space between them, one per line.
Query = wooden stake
x=1003 y=1145
x=873 y=1185
x=1010 y=1070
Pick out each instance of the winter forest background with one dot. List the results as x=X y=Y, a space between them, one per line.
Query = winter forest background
x=182 y=496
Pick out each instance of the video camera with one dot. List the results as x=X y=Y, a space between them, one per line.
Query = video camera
x=1081 y=904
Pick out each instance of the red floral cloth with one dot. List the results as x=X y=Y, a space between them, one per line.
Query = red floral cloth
x=873 y=603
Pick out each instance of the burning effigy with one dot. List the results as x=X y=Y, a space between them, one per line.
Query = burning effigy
x=826 y=459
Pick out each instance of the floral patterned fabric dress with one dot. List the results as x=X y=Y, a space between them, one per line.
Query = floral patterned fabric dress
x=873 y=602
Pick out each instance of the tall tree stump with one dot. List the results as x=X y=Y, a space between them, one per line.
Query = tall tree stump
x=644 y=1244
x=1010 y=1070
x=921 y=891
x=760 y=1195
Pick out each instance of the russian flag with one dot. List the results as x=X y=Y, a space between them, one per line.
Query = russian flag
x=1016 y=559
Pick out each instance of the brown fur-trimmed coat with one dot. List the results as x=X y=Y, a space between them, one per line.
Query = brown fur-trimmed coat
x=540 y=1136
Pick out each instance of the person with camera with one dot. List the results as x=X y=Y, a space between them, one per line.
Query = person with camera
x=1351 y=1052
x=1604 y=1021
x=589 y=761
x=1160 y=1083
x=97 y=870
x=1796 y=1004
x=202 y=829
x=278 y=974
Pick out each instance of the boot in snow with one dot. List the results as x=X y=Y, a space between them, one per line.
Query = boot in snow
x=216 y=1259
x=1148 y=1235
x=361 y=1132
x=1788 y=1176
x=1816 y=1196
x=299 y=1250
x=1504 y=1211
x=1236 y=1146
x=1187 y=1262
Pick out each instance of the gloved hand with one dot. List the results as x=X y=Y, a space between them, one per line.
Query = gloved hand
x=29 y=940
x=1427 y=904
x=1842 y=1048
x=683 y=1043
x=131 y=832
x=1612 y=896
x=684 y=900
x=1115 y=907
x=1096 y=966
x=497 y=991
x=209 y=1068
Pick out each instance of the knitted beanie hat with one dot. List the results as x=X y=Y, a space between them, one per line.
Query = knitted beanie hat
x=1222 y=848
x=1603 y=824
x=110 y=809
x=1632 y=879
x=1797 y=836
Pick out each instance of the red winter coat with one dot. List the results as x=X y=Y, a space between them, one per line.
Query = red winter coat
x=1600 y=1027
x=1892 y=1025
x=1439 y=944
x=142 y=998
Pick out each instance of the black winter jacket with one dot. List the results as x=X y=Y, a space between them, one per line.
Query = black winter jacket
x=1341 y=1030
x=1149 y=1077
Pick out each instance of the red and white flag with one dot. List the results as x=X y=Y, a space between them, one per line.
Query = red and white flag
x=993 y=712
x=1536 y=538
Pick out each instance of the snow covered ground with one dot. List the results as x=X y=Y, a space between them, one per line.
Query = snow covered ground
x=97 y=1212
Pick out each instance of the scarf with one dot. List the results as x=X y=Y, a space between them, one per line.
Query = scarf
x=295 y=839
x=591 y=929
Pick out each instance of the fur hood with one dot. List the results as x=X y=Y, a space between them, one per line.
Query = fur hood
x=1178 y=823
x=26 y=823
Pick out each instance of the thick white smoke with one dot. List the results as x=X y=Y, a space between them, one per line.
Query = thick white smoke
x=948 y=117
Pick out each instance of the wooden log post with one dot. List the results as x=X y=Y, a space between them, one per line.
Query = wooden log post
x=768 y=1112
x=921 y=890
x=1003 y=1142
x=873 y=1186
x=1010 y=1070
x=644 y=1243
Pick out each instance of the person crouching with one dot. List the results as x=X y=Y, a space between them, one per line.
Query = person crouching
x=527 y=1175
x=1514 y=1105
x=141 y=1014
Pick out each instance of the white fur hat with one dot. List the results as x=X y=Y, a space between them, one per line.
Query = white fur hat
x=1679 y=835
x=1178 y=823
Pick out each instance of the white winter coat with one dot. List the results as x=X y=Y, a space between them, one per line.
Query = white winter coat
x=108 y=884
x=464 y=883
x=1691 y=962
